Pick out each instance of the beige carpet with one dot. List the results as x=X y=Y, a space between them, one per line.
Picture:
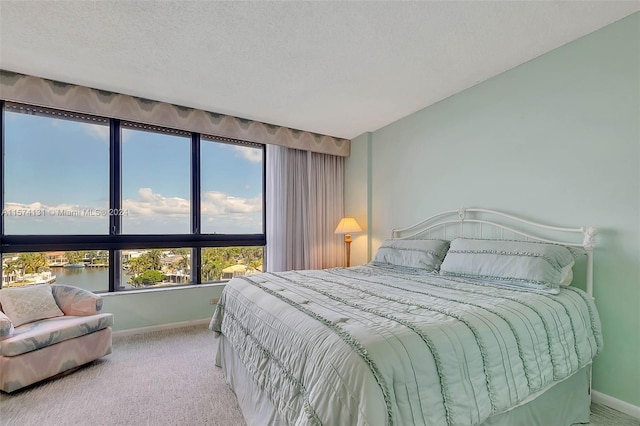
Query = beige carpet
x=161 y=378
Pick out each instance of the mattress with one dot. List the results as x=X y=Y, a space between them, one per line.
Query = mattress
x=378 y=345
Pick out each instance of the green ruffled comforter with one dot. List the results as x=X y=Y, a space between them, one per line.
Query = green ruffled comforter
x=374 y=345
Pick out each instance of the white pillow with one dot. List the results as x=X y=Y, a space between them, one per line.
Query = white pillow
x=29 y=303
x=421 y=254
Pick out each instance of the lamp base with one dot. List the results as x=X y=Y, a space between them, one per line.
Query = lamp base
x=347 y=241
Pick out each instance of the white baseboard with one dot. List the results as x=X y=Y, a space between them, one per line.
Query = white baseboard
x=160 y=327
x=616 y=404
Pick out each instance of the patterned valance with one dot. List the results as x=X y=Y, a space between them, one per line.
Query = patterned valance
x=53 y=94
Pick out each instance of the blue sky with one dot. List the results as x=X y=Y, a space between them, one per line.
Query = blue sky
x=53 y=164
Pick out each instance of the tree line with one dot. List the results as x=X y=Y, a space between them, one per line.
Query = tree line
x=148 y=267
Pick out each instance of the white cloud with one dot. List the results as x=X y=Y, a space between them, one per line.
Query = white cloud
x=97 y=131
x=64 y=218
x=253 y=155
x=147 y=212
x=49 y=209
x=215 y=203
x=149 y=204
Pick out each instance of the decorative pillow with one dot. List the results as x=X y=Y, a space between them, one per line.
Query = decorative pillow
x=6 y=326
x=422 y=254
x=76 y=301
x=28 y=304
x=533 y=265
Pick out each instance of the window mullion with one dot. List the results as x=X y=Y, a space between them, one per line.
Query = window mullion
x=196 y=267
x=115 y=201
x=195 y=183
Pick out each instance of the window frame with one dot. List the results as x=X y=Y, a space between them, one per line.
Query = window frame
x=115 y=241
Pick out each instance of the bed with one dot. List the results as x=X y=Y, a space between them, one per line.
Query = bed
x=470 y=317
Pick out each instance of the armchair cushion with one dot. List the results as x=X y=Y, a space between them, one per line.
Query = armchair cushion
x=76 y=301
x=27 y=304
x=48 y=332
x=6 y=326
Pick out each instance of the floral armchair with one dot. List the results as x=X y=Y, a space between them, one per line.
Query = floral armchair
x=46 y=330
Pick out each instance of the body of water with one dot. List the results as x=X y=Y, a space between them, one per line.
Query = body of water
x=92 y=279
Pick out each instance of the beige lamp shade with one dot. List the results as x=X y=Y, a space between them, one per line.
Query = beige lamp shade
x=348 y=225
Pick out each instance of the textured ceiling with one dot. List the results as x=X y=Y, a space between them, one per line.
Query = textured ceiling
x=336 y=68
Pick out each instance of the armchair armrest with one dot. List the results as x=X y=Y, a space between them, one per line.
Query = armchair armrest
x=6 y=326
x=76 y=301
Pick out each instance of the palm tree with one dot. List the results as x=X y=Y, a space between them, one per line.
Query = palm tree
x=138 y=265
x=93 y=256
x=33 y=263
x=9 y=269
x=74 y=256
x=250 y=254
x=231 y=254
x=154 y=257
x=185 y=258
x=184 y=263
x=211 y=264
x=256 y=264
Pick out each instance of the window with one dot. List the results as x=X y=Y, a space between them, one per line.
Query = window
x=156 y=178
x=144 y=268
x=86 y=269
x=56 y=173
x=231 y=188
x=110 y=206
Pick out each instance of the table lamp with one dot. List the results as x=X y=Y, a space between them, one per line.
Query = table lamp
x=347 y=226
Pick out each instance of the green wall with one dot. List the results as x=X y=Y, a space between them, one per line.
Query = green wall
x=557 y=140
x=146 y=308
x=357 y=193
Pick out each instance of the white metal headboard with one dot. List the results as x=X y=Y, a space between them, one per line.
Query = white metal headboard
x=478 y=223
